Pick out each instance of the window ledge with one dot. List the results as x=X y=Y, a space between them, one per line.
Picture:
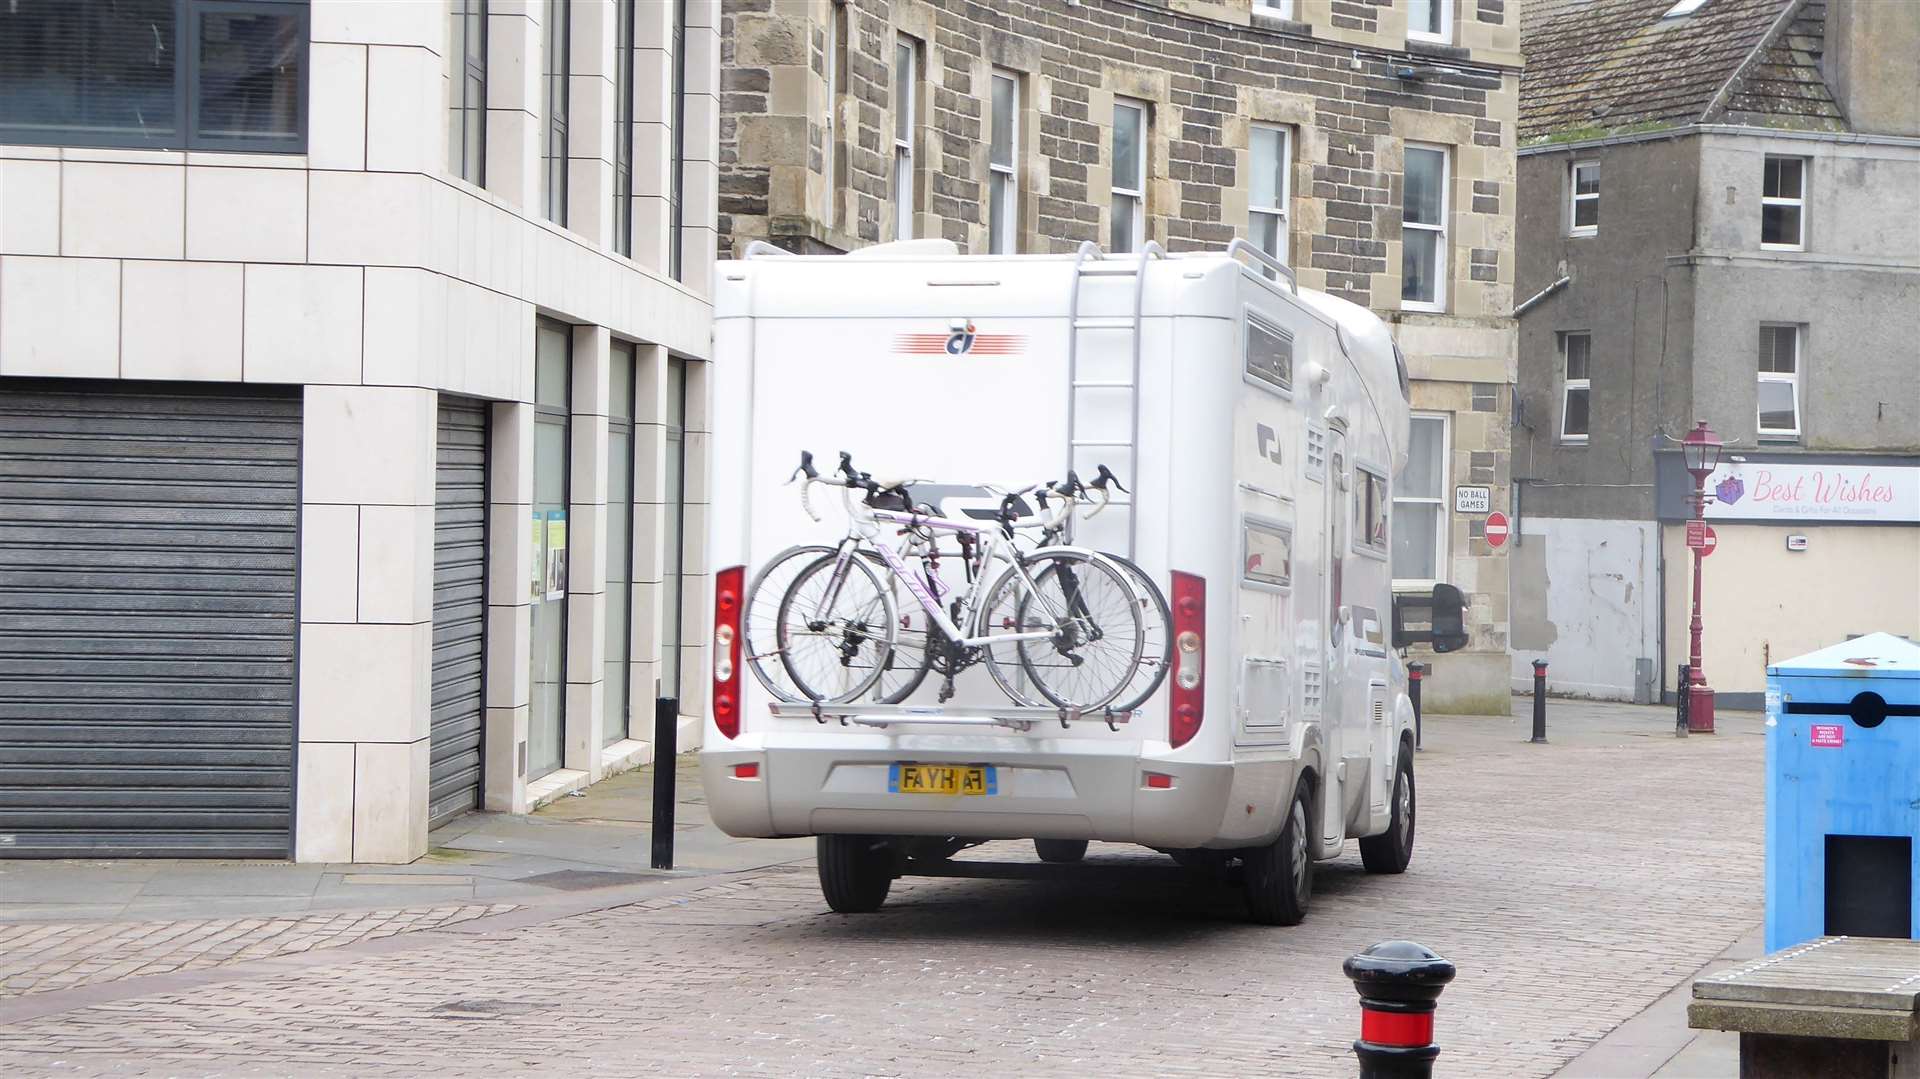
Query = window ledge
x=1438 y=46
x=1583 y=233
x=1783 y=247
x=1578 y=442
x=1420 y=308
x=1273 y=20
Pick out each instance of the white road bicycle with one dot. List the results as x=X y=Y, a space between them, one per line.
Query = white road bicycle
x=1066 y=619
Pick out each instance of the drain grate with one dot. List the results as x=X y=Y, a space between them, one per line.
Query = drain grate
x=580 y=880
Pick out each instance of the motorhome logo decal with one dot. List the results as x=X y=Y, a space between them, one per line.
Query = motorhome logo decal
x=961 y=339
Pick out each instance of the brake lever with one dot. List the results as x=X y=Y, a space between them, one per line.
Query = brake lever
x=806 y=468
x=1105 y=477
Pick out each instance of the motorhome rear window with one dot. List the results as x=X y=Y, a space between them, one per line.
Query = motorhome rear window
x=1269 y=553
x=1269 y=355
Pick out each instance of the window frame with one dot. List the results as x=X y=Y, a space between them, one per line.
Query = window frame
x=1444 y=35
x=1442 y=532
x=1800 y=203
x=1568 y=384
x=906 y=84
x=1137 y=237
x=677 y=150
x=556 y=107
x=466 y=63
x=1367 y=475
x=1251 y=523
x=1442 y=252
x=1792 y=379
x=1284 y=195
x=626 y=17
x=1003 y=236
x=1575 y=198
x=186 y=91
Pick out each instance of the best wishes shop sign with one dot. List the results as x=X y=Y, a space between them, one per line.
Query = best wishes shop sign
x=1765 y=490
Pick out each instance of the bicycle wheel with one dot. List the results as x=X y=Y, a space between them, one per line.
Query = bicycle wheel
x=835 y=629
x=760 y=619
x=1156 y=625
x=1098 y=635
x=913 y=634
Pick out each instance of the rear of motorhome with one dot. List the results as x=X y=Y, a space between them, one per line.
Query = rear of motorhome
x=1258 y=428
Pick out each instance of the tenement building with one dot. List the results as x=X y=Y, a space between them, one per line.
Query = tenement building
x=1368 y=144
x=1718 y=221
x=352 y=381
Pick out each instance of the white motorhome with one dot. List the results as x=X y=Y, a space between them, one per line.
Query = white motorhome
x=1259 y=427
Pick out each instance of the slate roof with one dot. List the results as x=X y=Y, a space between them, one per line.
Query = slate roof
x=1597 y=67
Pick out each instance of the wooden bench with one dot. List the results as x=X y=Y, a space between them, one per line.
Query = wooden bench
x=1832 y=1007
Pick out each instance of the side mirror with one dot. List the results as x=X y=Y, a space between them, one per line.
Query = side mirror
x=1437 y=620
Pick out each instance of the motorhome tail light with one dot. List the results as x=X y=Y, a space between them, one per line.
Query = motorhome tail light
x=1159 y=781
x=728 y=585
x=746 y=771
x=1190 y=658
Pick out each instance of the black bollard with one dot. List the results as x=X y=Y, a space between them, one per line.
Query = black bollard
x=1398 y=982
x=1415 y=672
x=666 y=760
x=1680 y=697
x=1540 y=701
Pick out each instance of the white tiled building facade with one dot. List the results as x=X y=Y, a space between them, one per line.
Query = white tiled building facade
x=336 y=248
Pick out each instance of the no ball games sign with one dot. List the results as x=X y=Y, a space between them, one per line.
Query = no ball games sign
x=1472 y=499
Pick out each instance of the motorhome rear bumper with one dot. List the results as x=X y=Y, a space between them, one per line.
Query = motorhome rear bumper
x=1097 y=791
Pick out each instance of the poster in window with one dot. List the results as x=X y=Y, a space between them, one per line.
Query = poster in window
x=556 y=584
x=537 y=585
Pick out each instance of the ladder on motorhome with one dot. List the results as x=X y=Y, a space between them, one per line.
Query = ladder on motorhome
x=1103 y=399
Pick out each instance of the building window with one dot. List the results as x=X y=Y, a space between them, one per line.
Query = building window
x=1430 y=20
x=467 y=90
x=559 y=68
x=623 y=128
x=1003 y=179
x=906 y=75
x=1576 y=399
x=1419 y=504
x=836 y=85
x=673 y=532
x=677 y=140
x=620 y=445
x=1783 y=203
x=1423 y=224
x=1584 y=190
x=1267 y=195
x=1369 y=509
x=171 y=74
x=1779 y=396
x=552 y=480
x=1279 y=9
x=1129 y=227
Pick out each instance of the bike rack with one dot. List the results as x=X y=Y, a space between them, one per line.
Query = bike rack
x=1017 y=717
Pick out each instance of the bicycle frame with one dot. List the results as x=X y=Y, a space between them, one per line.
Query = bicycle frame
x=992 y=550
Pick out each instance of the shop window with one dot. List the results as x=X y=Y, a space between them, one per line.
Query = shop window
x=552 y=456
x=620 y=444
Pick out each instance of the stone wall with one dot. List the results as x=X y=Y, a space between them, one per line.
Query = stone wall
x=807 y=145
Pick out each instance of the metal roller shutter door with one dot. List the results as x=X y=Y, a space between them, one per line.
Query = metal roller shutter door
x=459 y=610
x=147 y=623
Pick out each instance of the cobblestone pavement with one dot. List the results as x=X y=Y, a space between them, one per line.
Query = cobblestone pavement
x=1572 y=883
x=40 y=957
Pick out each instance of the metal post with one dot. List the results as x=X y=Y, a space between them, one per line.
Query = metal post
x=1415 y=672
x=1700 y=708
x=1540 y=701
x=1683 y=686
x=666 y=760
x=1398 y=982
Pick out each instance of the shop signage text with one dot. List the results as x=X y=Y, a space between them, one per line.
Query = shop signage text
x=1814 y=492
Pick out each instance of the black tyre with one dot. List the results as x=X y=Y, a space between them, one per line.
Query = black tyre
x=856 y=871
x=1060 y=851
x=1392 y=850
x=1279 y=877
x=760 y=618
x=1156 y=652
x=835 y=629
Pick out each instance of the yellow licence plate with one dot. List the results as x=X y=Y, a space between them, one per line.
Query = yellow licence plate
x=964 y=779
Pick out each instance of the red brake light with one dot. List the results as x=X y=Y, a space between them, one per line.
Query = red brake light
x=746 y=771
x=1189 y=658
x=728 y=585
x=1159 y=781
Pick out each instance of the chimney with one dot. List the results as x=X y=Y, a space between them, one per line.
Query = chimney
x=1872 y=64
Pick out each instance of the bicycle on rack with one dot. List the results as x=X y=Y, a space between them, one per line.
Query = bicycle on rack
x=1063 y=618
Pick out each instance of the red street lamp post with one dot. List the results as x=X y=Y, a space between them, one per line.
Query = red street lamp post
x=1701 y=451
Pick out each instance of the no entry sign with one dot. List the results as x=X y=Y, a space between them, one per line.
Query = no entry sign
x=1700 y=537
x=1496 y=529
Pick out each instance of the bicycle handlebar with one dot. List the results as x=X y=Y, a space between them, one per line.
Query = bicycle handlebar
x=1072 y=489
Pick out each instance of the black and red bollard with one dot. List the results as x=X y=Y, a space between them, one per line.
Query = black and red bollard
x=1398 y=982
x=1415 y=672
x=1539 y=701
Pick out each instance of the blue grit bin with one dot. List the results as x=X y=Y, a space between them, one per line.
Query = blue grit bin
x=1843 y=792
